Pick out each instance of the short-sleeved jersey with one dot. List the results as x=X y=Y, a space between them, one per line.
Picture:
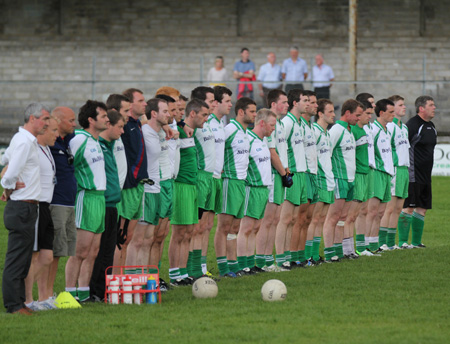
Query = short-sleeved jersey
x=188 y=170
x=218 y=131
x=422 y=138
x=206 y=149
x=399 y=142
x=368 y=129
x=153 y=149
x=382 y=148
x=277 y=140
x=362 y=149
x=121 y=160
x=295 y=147
x=237 y=150
x=174 y=151
x=310 y=146
x=343 y=157
x=259 y=167
x=325 y=176
x=88 y=161
x=165 y=165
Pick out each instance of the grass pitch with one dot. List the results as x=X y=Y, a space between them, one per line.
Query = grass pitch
x=401 y=297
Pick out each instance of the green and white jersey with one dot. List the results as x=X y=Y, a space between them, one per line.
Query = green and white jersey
x=362 y=149
x=188 y=171
x=218 y=131
x=343 y=156
x=153 y=150
x=174 y=152
x=325 y=176
x=259 y=167
x=310 y=146
x=206 y=150
x=237 y=150
x=399 y=142
x=368 y=129
x=382 y=148
x=165 y=165
x=277 y=140
x=89 y=162
x=295 y=148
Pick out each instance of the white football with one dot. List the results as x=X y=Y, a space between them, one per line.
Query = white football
x=204 y=287
x=273 y=290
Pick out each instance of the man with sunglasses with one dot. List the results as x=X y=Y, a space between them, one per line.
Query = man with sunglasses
x=62 y=206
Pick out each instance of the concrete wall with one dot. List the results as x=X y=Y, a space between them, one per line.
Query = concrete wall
x=48 y=47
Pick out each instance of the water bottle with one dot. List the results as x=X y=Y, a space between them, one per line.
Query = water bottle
x=151 y=285
x=137 y=296
x=127 y=286
x=114 y=286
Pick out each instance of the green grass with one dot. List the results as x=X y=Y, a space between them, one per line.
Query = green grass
x=401 y=297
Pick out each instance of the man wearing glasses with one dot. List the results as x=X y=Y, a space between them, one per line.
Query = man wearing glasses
x=62 y=206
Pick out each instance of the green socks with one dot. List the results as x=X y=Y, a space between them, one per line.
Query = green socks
x=329 y=252
x=338 y=249
x=260 y=260
x=316 y=248
x=417 y=224
x=360 y=243
x=242 y=260
x=404 y=222
x=301 y=256
x=382 y=236
x=391 y=237
x=269 y=259
x=83 y=293
x=233 y=265
x=308 y=249
x=196 y=268
x=279 y=258
x=222 y=263
x=174 y=274
x=251 y=261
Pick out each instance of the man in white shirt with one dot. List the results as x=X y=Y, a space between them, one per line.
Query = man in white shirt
x=22 y=188
x=270 y=75
x=322 y=75
x=294 y=70
x=44 y=230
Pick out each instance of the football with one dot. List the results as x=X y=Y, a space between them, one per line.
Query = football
x=204 y=287
x=273 y=290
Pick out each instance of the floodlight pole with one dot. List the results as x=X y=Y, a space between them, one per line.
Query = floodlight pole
x=352 y=33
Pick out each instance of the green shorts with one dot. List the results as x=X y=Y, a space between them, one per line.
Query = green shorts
x=297 y=193
x=325 y=196
x=361 y=187
x=370 y=181
x=90 y=211
x=233 y=197
x=276 y=190
x=151 y=204
x=382 y=186
x=130 y=206
x=204 y=190
x=400 y=182
x=185 y=206
x=343 y=189
x=166 y=196
x=311 y=187
x=255 y=201
x=216 y=194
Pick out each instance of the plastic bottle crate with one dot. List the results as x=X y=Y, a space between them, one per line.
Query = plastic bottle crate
x=139 y=278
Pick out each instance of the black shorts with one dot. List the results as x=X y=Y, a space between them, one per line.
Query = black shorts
x=419 y=196
x=46 y=230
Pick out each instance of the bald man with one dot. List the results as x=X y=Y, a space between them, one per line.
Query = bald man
x=270 y=77
x=62 y=206
x=322 y=75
